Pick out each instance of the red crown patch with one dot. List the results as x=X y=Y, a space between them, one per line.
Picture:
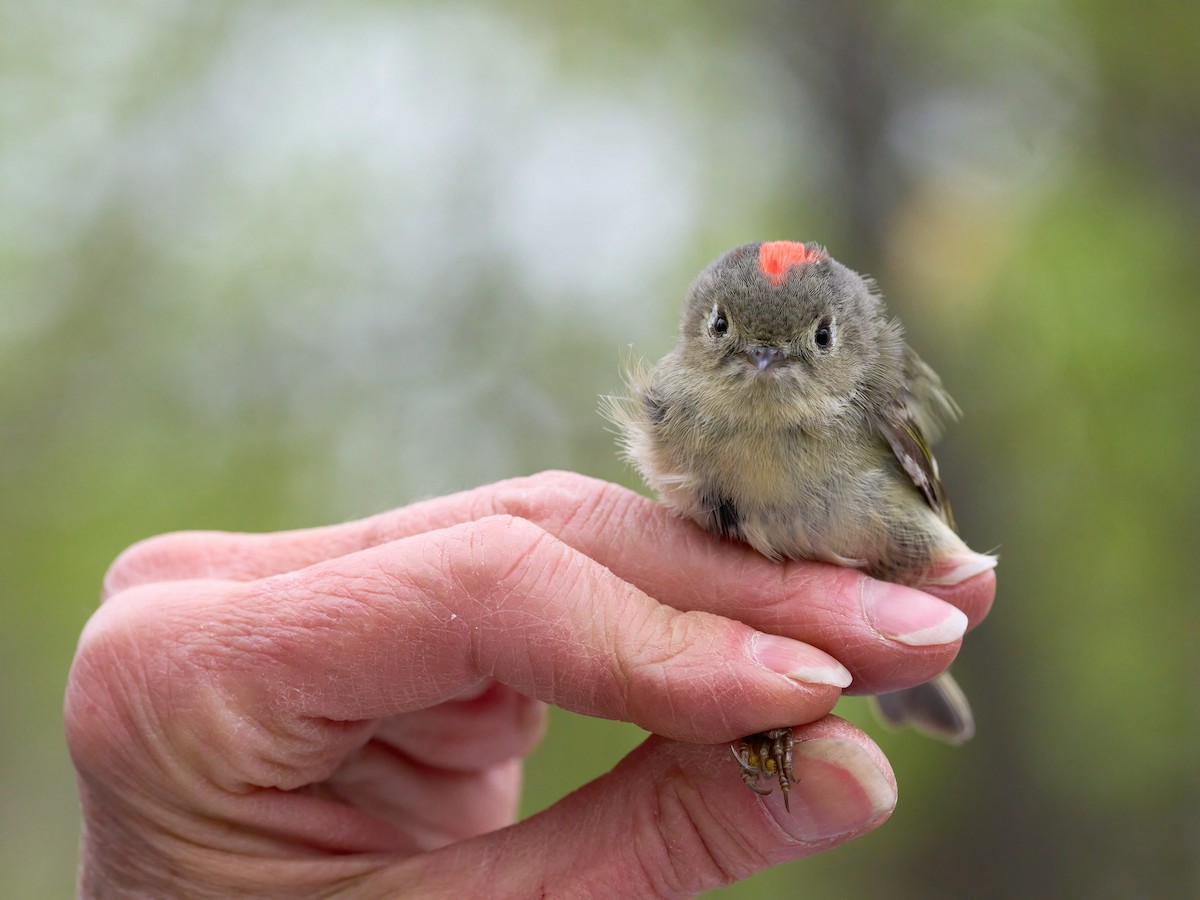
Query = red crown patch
x=775 y=258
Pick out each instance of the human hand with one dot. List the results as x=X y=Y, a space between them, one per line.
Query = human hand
x=346 y=708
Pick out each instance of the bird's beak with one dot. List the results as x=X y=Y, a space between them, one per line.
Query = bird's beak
x=765 y=357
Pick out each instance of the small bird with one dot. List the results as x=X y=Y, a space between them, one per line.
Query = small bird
x=792 y=415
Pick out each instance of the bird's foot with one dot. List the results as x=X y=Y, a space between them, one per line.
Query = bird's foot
x=767 y=754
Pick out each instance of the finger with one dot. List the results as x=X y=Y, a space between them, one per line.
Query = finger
x=298 y=659
x=549 y=499
x=604 y=520
x=672 y=820
x=889 y=637
x=431 y=807
x=499 y=725
x=445 y=773
x=973 y=596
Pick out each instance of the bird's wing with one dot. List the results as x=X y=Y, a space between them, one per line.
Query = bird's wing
x=906 y=423
x=911 y=449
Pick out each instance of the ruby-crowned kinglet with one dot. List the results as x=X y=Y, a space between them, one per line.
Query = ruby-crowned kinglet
x=792 y=415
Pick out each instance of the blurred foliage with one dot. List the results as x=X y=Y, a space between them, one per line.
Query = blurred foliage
x=268 y=266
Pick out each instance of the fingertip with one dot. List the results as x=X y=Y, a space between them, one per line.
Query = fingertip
x=799 y=661
x=974 y=596
x=698 y=826
x=844 y=788
x=910 y=617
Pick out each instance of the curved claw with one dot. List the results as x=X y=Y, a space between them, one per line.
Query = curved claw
x=764 y=755
x=743 y=762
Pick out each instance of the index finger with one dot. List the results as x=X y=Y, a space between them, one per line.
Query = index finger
x=619 y=528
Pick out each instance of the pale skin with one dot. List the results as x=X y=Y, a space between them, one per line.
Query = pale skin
x=345 y=709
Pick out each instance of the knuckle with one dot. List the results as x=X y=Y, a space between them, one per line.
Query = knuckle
x=131 y=566
x=151 y=694
x=514 y=583
x=566 y=482
x=704 y=852
x=500 y=553
x=673 y=637
x=826 y=590
x=560 y=497
x=87 y=707
x=152 y=559
x=105 y=699
x=672 y=660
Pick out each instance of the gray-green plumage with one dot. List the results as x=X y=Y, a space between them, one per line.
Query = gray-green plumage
x=793 y=416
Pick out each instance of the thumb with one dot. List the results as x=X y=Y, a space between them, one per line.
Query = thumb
x=671 y=820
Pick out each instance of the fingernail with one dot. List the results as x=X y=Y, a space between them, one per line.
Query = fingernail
x=960 y=568
x=840 y=789
x=798 y=661
x=910 y=617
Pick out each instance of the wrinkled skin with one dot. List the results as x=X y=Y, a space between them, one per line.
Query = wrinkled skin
x=347 y=708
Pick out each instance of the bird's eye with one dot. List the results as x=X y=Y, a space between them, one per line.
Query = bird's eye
x=824 y=335
x=718 y=323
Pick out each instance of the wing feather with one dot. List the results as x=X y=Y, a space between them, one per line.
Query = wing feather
x=906 y=423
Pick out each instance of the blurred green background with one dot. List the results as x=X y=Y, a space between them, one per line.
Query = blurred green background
x=272 y=265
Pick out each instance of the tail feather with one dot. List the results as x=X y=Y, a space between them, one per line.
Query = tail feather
x=937 y=709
